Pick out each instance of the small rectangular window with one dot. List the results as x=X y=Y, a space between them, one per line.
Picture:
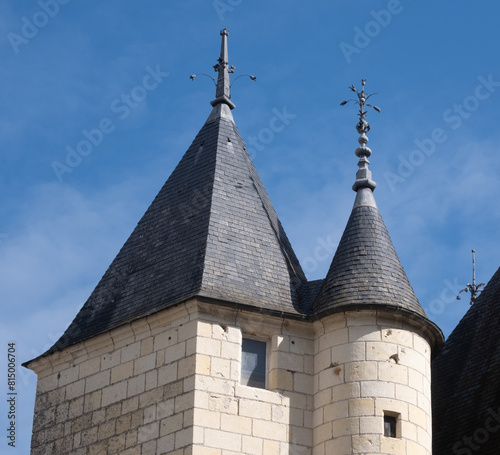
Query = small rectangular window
x=390 y=422
x=253 y=363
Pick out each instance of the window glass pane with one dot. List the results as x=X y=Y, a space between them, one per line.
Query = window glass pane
x=389 y=426
x=253 y=363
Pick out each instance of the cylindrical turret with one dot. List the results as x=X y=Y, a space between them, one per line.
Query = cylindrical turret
x=373 y=339
x=372 y=390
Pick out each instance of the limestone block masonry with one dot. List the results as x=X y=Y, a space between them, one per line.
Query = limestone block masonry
x=230 y=418
x=170 y=384
x=369 y=364
x=129 y=391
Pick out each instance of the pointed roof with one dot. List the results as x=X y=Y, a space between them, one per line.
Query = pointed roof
x=365 y=270
x=466 y=378
x=211 y=232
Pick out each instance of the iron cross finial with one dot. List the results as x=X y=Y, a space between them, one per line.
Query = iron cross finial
x=363 y=126
x=473 y=288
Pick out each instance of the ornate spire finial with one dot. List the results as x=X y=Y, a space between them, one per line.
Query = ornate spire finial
x=223 y=90
x=363 y=176
x=473 y=288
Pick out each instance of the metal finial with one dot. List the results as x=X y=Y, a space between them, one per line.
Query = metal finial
x=473 y=288
x=363 y=126
x=364 y=175
x=223 y=90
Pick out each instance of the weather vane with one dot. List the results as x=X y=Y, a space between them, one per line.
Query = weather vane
x=363 y=126
x=473 y=288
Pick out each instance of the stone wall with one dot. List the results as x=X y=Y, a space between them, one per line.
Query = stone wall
x=230 y=418
x=170 y=383
x=368 y=363
x=127 y=392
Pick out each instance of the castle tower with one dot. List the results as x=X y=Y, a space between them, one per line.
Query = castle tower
x=204 y=337
x=373 y=340
x=195 y=339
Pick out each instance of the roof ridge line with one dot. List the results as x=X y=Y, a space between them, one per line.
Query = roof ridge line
x=286 y=256
x=200 y=288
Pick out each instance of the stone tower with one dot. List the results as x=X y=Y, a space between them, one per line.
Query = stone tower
x=204 y=336
x=373 y=341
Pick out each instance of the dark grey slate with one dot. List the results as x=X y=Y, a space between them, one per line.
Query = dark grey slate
x=211 y=231
x=466 y=381
x=366 y=269
x=308 y=293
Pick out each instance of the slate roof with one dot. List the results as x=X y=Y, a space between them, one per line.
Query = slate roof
x=211 y=231
x=466 y=381
x=366 y=268
x=308 y=293
x=366 y=271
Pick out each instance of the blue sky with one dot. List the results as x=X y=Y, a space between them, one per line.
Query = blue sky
x=68 y=71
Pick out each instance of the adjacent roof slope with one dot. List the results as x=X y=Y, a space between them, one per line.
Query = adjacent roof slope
x=466 y=380
x=211 y=231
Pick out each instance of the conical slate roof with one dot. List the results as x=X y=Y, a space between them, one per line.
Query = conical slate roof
x=211 y=232
x=365 y=269
x=466 y=378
